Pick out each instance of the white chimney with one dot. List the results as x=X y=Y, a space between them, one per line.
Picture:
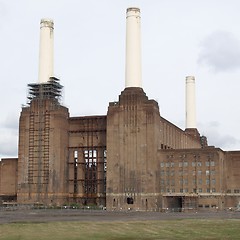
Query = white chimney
x=46 y=51
x=190 y=103
x=133 y=74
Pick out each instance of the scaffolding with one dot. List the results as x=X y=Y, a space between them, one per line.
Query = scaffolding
x=87 y=162
x=39 y=134
x=52 y=89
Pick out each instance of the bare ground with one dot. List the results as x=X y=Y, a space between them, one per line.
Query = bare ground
x=58 y=215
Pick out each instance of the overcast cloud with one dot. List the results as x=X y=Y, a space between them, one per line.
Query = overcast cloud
x=220 y=51
x=179 y=38
x=214 y=135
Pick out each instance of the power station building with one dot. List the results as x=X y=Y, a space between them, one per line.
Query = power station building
x=130 y=158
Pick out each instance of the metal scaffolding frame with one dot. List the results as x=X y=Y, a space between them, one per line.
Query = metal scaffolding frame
x=52 y=89
x=39 y=131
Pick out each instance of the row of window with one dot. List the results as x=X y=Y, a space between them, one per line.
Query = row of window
x=90 y=157
x=233 y=191
x=186 y=190
x=207 y=206
x=93 y=160
x=185 y=172
x=185 y=181
x=186 y=164
x=90 y=153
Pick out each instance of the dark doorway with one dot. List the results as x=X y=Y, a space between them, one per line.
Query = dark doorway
x=129 y=200
x=174 y=203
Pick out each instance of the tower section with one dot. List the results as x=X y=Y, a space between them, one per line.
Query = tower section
x=191 y=126
x=43 y=134
x=133 y=69
x=132 y=135
x=46 y=50
x=190 y=102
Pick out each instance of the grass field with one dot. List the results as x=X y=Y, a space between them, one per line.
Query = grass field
x=171 y=229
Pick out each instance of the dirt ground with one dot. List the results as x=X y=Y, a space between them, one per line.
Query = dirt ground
x=56 y=215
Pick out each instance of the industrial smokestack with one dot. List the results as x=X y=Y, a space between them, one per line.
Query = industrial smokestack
x=46 y=51
x=190 y=103
x=133 y=74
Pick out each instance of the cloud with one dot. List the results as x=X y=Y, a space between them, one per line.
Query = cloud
x=3 y=13
x=213 y=133
x=8 y=143
x=9 y=136
x=10 y=121
x=220 y=52
x=3 y=9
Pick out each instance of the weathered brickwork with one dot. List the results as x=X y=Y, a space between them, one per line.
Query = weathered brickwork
x=132 y=158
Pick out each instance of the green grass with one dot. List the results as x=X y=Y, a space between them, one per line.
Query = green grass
x=172 y=229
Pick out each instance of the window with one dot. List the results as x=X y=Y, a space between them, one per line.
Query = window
x=199 y=164
x=172 y=164
x=229 y=191
x=199 y=172
x=90 y=157
x=208 y=190
x=212 y=163
x=214 y=190
x=200 y=190
x=167 y=164
x=193 y=164
x=181 y=190
x=207 y=172
x=185 y=164
x=180 y=164
x=200 y=181
x=207 y=181
x=213 y=181
x=162 y=164
x=212 y=172
x=207 y=164
x=75 y=154
x=236 y=190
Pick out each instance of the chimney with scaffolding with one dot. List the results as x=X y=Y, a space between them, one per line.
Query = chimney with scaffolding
x=48 y=86
x=43 y=132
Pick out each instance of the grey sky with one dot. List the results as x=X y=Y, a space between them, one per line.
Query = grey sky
x=220 y=52
x=179 y=38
